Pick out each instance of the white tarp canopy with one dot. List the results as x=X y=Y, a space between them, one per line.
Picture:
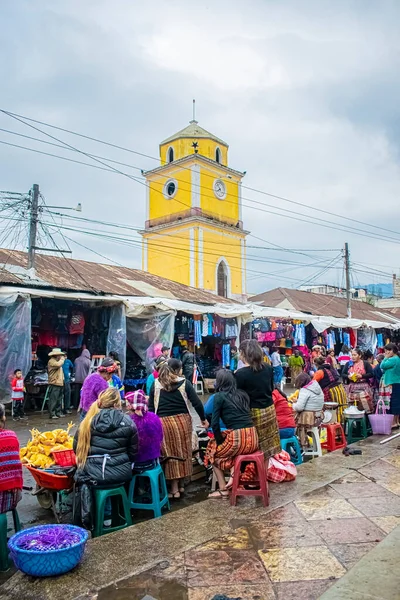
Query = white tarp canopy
x=322 y=323
x=136 y=306
x=260 y=312
x=139 y=306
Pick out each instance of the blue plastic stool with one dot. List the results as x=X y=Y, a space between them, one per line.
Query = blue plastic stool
x=4 y=560
x=159 y=493
x=293 y=443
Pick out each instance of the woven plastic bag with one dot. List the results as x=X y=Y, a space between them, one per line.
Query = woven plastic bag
x=280 y=468
x=381 y=423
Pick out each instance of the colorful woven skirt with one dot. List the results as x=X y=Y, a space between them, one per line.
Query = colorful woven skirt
x=237 y=441
x=338 y=394
x=306 y=420
x=295 y=372
x=177 y=442
x=361 y=394
x=264 y=420
x=9 y=499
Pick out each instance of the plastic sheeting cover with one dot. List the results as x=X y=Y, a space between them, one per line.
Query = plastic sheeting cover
x=148 y=333
x=15 y=341
x=116 y=339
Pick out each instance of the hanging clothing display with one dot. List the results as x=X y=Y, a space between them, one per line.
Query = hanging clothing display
x=204 y=330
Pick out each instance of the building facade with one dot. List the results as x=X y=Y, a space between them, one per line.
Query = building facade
x=194 y=231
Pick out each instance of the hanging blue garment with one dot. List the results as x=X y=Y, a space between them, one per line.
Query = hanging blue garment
x=226 y=355
x=346 y=339
x=380 y=341
x=210 y=324
x=197 y=333
x=300 y=335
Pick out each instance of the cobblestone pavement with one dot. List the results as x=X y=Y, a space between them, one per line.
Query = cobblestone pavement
x=294 y=552
x=316 y=530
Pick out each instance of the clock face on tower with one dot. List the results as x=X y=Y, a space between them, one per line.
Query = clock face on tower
x=219 y=189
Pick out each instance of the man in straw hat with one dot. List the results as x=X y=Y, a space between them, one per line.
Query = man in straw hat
x=56 y=382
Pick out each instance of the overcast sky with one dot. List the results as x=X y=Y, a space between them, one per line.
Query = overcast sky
x=305 y=92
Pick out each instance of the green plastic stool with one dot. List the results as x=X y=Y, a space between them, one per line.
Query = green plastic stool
x=119 y=499
x=4 y=560
x=355 y=429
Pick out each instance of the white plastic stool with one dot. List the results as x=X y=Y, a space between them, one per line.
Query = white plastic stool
x=316 y=449
x=198 y=386
x=96 y=362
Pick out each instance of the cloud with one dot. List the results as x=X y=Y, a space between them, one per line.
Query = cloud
x=305 y=94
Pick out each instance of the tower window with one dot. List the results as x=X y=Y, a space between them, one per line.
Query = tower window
x=170 y=189
x=222 y=280
x=218 y=155
x=170 y=155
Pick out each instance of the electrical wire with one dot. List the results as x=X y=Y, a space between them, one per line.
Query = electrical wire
x=309 y=220
x=282 y=198
x=319 y=222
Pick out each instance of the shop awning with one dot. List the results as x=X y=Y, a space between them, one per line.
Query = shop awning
x=136 y=306
x=322 y=323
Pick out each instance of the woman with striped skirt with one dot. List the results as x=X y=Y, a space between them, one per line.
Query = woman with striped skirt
x=329 y=380
x=170 y=398
x=232 y=407
x=257 y=380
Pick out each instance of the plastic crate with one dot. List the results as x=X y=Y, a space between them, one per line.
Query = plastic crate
x=64 y=458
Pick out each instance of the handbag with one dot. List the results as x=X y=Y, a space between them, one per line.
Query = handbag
x=157 y=390
x=280 y=468
x=381 y=423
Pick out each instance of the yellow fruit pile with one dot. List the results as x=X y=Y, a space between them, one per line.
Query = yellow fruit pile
x=37 y=452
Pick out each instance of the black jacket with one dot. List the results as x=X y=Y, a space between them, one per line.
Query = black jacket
x=367 y=378
x=113 y=448
x=258 y=385
x=172 y=403
x=234 y=412
x=188 y=365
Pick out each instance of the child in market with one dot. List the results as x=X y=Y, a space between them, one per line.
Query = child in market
x=17 y=395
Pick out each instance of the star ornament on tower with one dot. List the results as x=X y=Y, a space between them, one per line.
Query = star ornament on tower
x=195 y=146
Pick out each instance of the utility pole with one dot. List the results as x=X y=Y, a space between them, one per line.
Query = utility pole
x=34 y=210
x=347 y=269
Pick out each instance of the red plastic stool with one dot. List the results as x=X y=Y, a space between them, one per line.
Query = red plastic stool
x=336 y=438
x=261 y=478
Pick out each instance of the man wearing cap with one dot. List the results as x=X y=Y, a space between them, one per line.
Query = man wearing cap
x=165 y=351
x=55 y=390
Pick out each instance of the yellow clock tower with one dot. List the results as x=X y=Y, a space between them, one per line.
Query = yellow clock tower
x=194 y=232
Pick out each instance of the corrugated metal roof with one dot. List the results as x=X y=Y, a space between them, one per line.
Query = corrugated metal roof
x=80 y=275
x=193 y=130
x=317 y=304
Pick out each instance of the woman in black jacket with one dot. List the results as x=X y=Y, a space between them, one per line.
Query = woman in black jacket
x=106 y=443
x=170 y=398
x=359 y=375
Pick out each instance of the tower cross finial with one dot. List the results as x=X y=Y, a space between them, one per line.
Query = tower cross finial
x=194 y=109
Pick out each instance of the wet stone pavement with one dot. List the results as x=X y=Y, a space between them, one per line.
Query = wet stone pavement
x=316 y=530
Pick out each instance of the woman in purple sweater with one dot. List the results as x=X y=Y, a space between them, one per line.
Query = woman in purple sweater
x=149 y=429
